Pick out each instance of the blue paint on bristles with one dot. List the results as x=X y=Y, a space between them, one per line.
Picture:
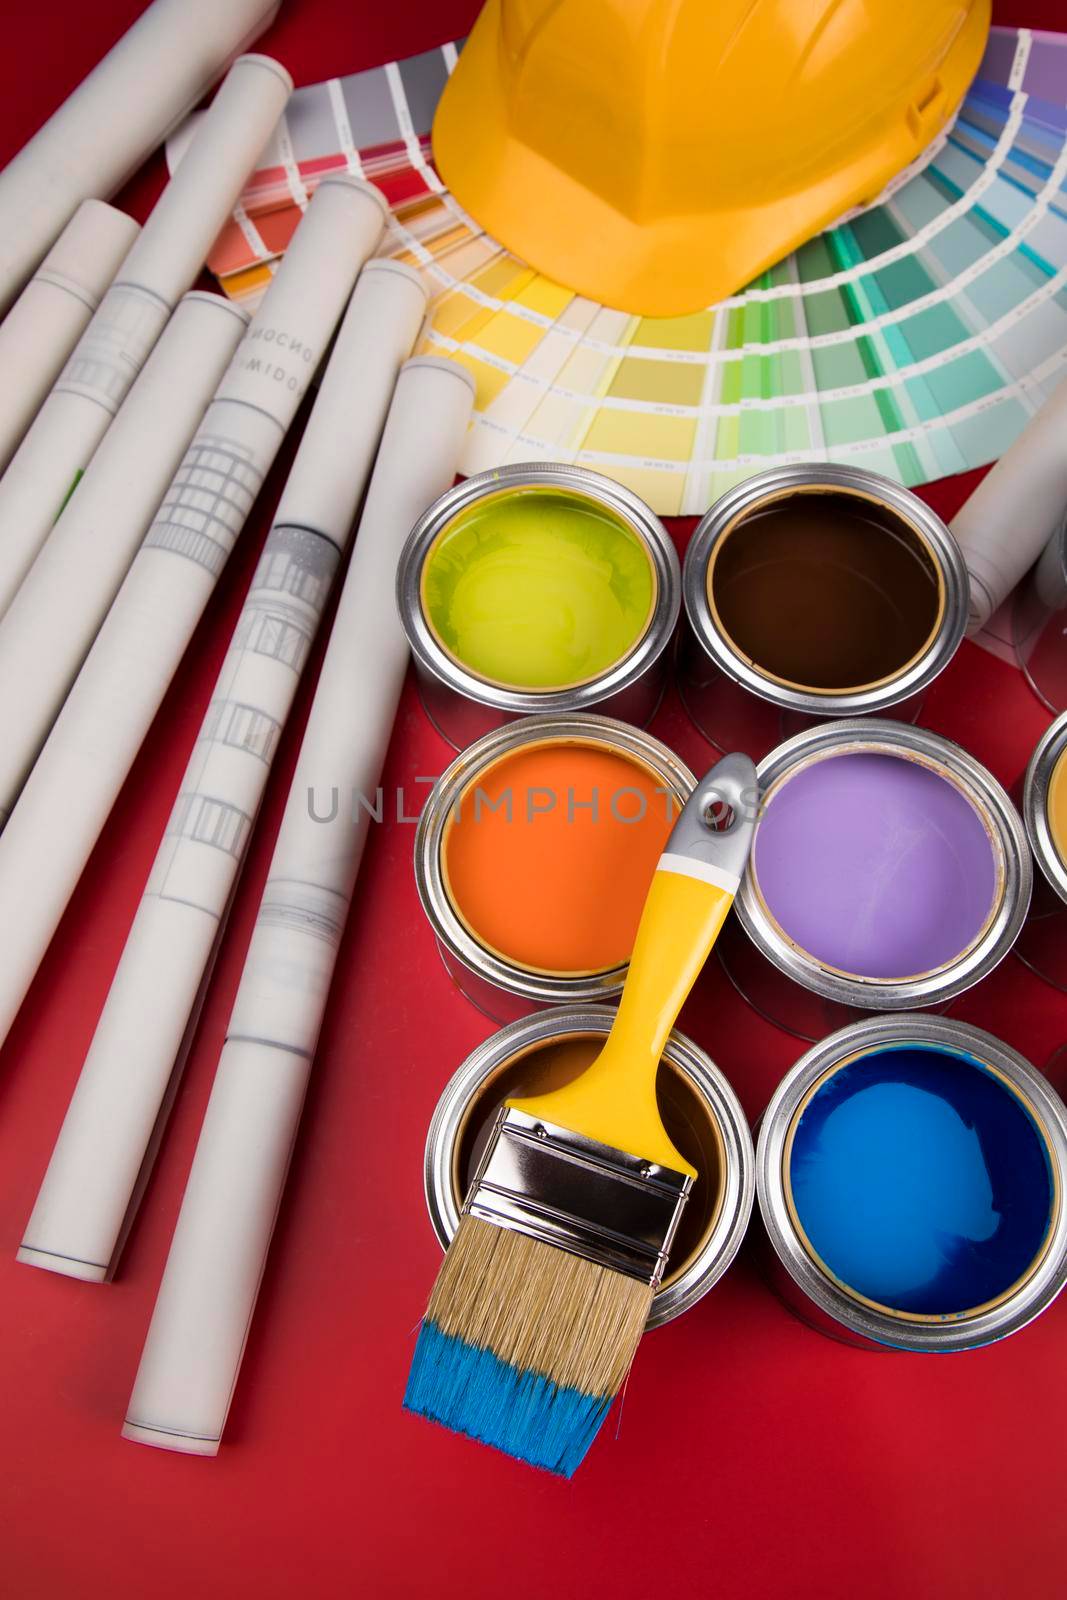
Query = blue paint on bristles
x=472 y=1391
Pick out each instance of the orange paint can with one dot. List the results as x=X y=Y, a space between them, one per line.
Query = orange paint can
x=534 y=855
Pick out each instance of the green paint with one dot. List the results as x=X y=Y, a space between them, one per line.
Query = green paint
x=538 y=589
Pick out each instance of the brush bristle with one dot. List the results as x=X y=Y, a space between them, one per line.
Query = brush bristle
x=525 y=1346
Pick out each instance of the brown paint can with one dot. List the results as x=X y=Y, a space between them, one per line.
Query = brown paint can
x=816 y=592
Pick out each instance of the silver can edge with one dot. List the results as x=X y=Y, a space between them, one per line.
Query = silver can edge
x=1000 y=933
x=745 y=496
x=873 y=1033
x=433 y=661
x=738 y=1188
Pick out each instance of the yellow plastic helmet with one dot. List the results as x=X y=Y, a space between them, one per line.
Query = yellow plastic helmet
x=657 y=155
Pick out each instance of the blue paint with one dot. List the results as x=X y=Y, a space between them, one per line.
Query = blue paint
x=472 y=1391
x=921 y=1181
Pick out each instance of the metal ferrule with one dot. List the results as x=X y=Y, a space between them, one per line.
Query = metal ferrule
x=724 y=1140
x=1043 y=762
x=579 y=1195
x=773 y=484
x=499 y=987
x=1007 y=839
x=805 y=1284
x=462 y=705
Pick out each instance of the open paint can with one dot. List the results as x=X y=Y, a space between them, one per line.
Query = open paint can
x=1039 y=623
x=815 y=592
x=700 y=1111
x=1043 y=941
x=889 y=871
x=534 y=855
x=538 y=589
x=910 y=1173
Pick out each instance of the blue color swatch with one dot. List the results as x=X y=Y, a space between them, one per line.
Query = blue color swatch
x=921 y=1181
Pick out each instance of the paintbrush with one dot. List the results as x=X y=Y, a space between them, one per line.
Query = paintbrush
x=566 y=1230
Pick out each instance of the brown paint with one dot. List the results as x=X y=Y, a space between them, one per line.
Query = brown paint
x=686 y=1116
x=825 y=590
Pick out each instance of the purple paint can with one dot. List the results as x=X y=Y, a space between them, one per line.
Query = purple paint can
x=889 y=871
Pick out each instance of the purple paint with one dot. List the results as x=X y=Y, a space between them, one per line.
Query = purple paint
x=875 y=865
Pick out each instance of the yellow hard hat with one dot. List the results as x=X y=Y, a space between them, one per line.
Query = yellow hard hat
x=657 y=154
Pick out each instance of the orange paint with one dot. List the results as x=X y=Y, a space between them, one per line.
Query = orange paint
x=1057 y=807
x=537 y=875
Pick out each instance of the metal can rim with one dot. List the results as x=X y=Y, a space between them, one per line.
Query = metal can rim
x=1038 y=1290
x=539 y=988
x=739 y=1167
x=882 y=735
x=745 y=496
x=1047 y=753
x=647 y=650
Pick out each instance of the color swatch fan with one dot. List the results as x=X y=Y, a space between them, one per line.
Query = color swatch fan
x=914 y=338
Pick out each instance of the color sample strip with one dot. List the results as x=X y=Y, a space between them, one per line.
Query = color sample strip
x=915 y=337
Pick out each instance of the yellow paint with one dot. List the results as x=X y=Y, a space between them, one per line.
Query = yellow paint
x=538 y=588
x=1057 y=807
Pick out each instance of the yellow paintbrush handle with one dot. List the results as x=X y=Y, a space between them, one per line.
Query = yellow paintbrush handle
x=692 y=890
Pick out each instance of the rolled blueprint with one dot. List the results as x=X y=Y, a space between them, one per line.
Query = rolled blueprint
x=196 y=1339
x=56 y=614
x=160 y=267
x=53 y=311
x=127 y=105
x=79 y=772
x=1010 y=517
x=95 y=1171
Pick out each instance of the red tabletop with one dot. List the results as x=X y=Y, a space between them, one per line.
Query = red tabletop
x=752 y=1456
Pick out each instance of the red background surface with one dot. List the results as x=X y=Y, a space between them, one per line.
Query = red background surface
x=754 y=1456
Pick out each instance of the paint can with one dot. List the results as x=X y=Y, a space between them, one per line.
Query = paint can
x=1039 y=623
x=538 y=589
x=1043 y=942
x=815 y=592
x=528 y=835
x=700 y=1111
x=889 y=871
x=910 y=1172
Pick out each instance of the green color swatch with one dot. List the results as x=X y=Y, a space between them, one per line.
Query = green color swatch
x=538 y=589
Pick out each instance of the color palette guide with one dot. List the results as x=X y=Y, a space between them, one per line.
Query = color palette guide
x=914 y=338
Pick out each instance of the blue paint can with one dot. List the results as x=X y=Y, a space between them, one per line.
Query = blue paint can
x=911 y=1174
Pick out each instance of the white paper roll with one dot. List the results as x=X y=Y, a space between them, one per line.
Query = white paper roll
x=56 y=614
x=161 y=265
x=127 y=105
x=97 y=1165
x=53 y=311
x=79 y=772
x=1010 y=517
x=197 y=1335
